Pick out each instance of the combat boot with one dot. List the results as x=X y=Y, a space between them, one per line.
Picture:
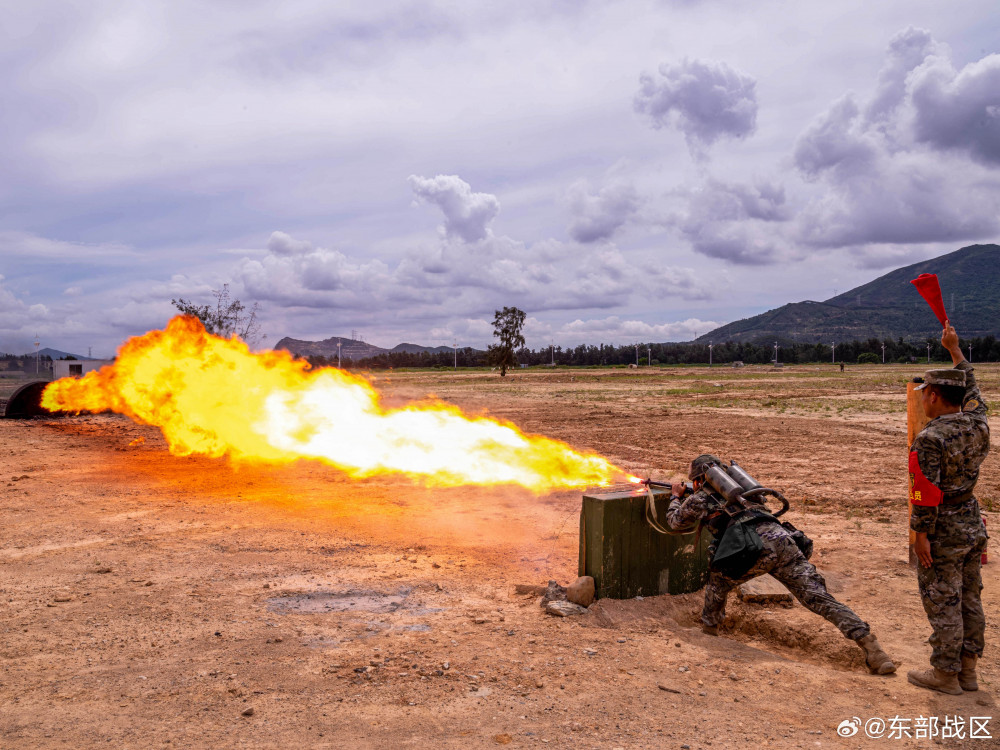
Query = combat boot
x=709 y=629
x=935 y=679
x=967 y=677
x=877 y=660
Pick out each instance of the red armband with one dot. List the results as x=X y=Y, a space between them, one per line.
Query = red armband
x=922 y=491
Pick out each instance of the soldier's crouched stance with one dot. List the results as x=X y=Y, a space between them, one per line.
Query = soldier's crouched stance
x=780 y=556
x=950 y=534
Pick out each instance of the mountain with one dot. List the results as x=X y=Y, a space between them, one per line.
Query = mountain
x=888 y=307
x=55 y=354
x=349 y=348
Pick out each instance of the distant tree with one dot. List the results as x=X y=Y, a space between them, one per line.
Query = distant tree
x=229 y=317
x=507 y=325
x=868 y=358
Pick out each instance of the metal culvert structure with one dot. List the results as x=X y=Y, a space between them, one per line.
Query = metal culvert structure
x=26 y=402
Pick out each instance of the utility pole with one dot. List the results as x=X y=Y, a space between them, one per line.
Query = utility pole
x=928 y=352
x=338 y=354
x=649 y=356
x=833 y=352
x=454 y=344
x=552 y=347
x=775 y=352
x=37 y=353
x=883 y=354
x=710 y=354
x=970 y=352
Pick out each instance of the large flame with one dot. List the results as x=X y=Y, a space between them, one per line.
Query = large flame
x=213 y=396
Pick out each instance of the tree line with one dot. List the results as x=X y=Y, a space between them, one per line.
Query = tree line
x=984 y=349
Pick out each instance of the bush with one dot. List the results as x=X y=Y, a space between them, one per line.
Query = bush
x=868 y=358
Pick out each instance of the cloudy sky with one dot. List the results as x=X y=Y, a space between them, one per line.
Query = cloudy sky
x=622 y=171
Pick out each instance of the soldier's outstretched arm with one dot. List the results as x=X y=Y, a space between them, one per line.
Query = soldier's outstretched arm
x=949 y=340
x=972 y=402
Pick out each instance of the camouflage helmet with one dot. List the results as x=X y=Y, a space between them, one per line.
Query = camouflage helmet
x=700 y=465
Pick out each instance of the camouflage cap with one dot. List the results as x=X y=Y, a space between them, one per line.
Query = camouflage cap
x=941 y=377
x=700 y=465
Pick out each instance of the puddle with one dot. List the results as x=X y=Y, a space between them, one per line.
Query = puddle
x=340 y=601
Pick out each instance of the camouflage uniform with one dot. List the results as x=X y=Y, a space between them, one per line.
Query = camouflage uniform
x=950 y=450
x=781 y=558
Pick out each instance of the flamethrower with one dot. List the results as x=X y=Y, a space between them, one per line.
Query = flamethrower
x=733 y=488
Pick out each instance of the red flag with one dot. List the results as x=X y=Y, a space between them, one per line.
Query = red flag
x=930 y=290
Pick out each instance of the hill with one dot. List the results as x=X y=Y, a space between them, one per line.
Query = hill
x=888 y=307
x=351 y=349
x=54 y=354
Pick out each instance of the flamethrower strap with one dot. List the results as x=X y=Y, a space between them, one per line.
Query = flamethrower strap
x=654 y=521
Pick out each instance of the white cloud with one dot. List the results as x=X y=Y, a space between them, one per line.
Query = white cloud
x=907 y=49
x=281 y=244
x=615 y=329
x=19 y=322
x=26 y=244
x=705 y=100
x=457 y=281
x=834 y=141
x=735 y=222
x=959 y=110
x=467 y=215
x=900 y=172
x=597 y=216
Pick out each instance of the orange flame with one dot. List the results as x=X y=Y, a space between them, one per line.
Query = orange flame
x=213 y=396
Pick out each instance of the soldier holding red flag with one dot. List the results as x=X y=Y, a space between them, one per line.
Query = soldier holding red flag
x=950 y=534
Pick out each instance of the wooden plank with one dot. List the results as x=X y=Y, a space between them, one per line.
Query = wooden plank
x=610 y=525
x=635 y=560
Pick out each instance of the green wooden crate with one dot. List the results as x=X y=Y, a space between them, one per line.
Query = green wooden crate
x=626 y=557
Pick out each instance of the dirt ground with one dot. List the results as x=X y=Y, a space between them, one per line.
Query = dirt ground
x=148 y=600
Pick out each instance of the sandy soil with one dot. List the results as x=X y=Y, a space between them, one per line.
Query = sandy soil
x=156 y=601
